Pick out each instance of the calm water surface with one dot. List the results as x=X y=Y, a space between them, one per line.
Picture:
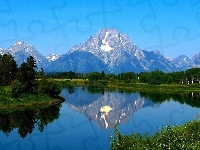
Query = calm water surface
x=88 y=115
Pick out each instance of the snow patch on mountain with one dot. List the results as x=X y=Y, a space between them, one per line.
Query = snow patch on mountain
x=139 y=54
x=105 y=46
x=52 y=57
x=169 y=58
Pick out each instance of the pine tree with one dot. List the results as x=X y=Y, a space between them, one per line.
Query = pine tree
x=8 y=69
x=27 y=74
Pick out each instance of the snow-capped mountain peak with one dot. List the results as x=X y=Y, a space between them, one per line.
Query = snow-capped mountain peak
x=21 y=51
x=19 y=43
x=109 y=46
x=120 y=54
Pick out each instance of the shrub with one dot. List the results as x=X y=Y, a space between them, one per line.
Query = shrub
x=128 y=81
x=178 y=137
x=103 y=82
x=17 y=88
x=49 y=87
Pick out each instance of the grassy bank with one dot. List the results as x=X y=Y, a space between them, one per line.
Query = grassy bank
x=157 y=88
x=177 y=137
x=132 y=85
x=25 y=100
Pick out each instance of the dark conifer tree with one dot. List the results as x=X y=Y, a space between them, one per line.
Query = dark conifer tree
x=27 y=74
x=8 y=69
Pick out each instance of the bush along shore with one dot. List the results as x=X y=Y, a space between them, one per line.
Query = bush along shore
x=26 y=99
x=176 y=137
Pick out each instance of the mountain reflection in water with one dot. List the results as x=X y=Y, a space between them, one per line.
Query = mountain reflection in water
x=105 y=107
x=26 y=120
x=108 y=108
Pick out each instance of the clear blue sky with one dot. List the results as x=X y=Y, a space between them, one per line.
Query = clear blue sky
x=171 y=26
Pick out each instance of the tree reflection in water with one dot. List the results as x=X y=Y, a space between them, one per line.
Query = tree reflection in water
x=189 y=98
x=27 y=120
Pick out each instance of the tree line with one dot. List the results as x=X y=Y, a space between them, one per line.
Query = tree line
x=92 y=76
x=26 y=78
x=189 y=76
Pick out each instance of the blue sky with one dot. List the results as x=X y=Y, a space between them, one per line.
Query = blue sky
x=171 y=26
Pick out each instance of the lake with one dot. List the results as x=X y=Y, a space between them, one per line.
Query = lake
x=88 y=116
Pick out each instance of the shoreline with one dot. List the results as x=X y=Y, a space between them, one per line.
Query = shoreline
x=30 y=101
x=169 y=88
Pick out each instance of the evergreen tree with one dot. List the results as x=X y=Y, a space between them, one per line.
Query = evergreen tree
x=40 y=74
x=8 y=69
x=27 y=74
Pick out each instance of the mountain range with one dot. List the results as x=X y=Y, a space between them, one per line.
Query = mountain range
x=108 y=51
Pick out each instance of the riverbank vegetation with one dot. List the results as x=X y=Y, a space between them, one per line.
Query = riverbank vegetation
x=24 y=100
x=176 y=137
x=155 y=81
x=156 y=77
x=25 y=85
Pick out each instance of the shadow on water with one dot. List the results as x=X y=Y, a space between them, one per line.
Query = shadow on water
x=26 y=120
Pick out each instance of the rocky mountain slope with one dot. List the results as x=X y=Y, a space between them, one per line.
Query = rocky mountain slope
x=182 y=62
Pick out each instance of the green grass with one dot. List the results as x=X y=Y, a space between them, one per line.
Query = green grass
x=132 y=85
x=177 y=137
x=74 y=82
